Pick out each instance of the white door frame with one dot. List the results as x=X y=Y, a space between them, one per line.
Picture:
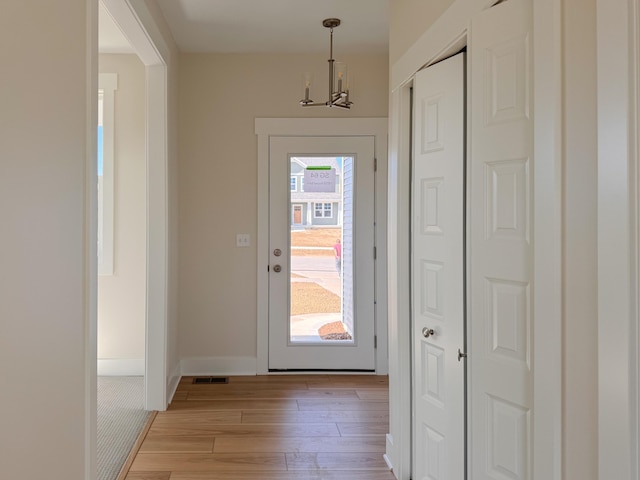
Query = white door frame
x=330 y=127
x=446 y=36
x=134 y=21
x=618 y=51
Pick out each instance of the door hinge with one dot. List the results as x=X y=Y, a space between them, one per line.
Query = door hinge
x=375 y=341
x=461 y=355
x=375 y=164
x=375 y=253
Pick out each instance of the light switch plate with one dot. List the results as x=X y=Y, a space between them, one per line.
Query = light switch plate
x=243 y=240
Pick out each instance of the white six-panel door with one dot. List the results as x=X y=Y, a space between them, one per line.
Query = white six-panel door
x=438 y=271
x=500 y=161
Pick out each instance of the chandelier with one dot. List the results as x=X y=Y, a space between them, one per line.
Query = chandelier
x=338 y=81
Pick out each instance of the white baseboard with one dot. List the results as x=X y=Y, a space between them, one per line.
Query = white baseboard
x=121 y=367
x=390 y=448
x=172 y=382
x=388 y=462
x=220 y=366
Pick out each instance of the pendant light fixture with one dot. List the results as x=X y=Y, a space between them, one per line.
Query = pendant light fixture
x=338 y=80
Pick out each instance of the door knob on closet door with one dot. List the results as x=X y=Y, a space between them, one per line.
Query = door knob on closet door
x=428 y=332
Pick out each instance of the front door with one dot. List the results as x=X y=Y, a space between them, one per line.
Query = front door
x=438 y=261
x=297 y=214
x=322 y=276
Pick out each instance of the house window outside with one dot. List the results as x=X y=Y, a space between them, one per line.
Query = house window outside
x=294 y=184
x=302 y=183
x=323 y=210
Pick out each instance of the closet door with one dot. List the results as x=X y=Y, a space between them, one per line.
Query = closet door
x=438 y=296
x=500 y=252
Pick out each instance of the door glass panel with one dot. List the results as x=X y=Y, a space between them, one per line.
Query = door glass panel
x=321 y=250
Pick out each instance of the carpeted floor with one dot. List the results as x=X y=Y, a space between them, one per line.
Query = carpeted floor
x=121 y=418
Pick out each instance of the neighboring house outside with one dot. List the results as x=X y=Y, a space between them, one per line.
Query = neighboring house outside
x=311 y=209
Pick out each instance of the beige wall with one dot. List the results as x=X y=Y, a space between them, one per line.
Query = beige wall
x=409 y=19
x=121 y=296
x=44 y=259
x=220 y=97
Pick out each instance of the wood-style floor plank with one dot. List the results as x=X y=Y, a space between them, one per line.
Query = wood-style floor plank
x=250 y=430
x=149 y=476
x=340 y=404
x=364 y=444
x=372 y=394
x=362 y=428
x=182 y=395
x=177 y=444
x=280 y=427
x=335 y=461
x=275 y=416
x=199 y=462
x=269 y=394
x=171 y=417
x=297 y=475
x=278 y=404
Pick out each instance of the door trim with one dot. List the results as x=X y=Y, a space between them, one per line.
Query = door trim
x=618 y=238
x=446 y=35
x=138 y=25
x=323 y=127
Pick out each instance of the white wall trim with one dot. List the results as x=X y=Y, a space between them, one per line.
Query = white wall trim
x=221 y=366
x=444 y=34
x=135 y=21
x=399 y=279
x=157 y=239
x=138 y=26
x=266 y=127
x=618 y=85
x=547 y=324
x=125 y=367
x=174 y=382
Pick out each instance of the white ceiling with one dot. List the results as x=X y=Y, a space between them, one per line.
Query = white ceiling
x=267 y=26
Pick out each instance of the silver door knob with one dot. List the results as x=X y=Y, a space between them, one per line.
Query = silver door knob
x=277 y=252
x=427 y=332
x=277 y=268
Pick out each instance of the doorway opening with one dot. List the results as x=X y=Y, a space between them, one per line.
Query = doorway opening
x=122 y=248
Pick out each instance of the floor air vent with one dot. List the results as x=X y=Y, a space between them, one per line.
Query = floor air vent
x=210 y=380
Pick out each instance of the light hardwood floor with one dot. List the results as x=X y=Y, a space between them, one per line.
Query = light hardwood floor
x=284 y=427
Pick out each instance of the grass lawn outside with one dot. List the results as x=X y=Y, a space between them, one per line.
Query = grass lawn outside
x=315 y=237
x=309 y=297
